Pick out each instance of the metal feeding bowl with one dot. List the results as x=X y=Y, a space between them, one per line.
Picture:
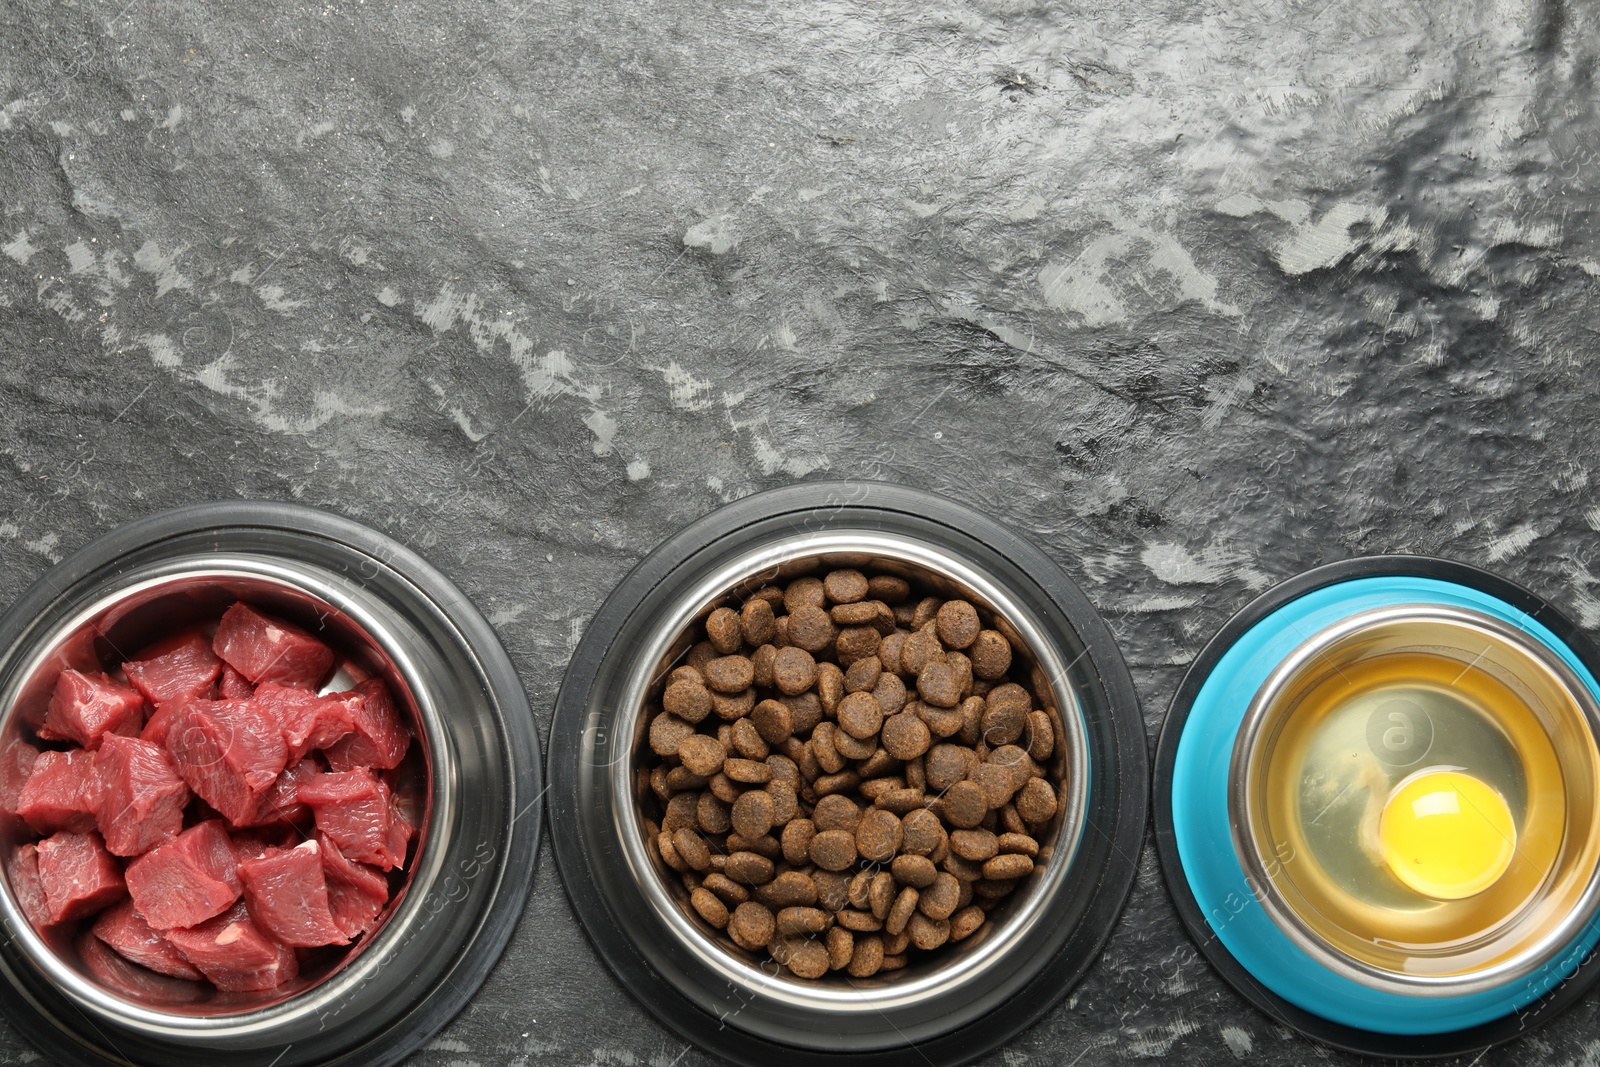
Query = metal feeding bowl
x=470 y=783
x=964 y=999
x=1401 y=854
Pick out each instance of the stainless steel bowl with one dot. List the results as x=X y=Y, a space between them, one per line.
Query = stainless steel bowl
x=472 y=780
x=961 y=1001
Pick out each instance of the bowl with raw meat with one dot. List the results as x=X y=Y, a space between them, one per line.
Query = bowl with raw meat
x=235 y=747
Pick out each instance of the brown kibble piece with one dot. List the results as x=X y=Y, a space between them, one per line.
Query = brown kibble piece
x=726 y=888
x=889 y=588
x=747 y=740
x=996 y=782
x=900 y=801
x=971 y=720
x=688 y=700
x=957 y=623
x=747 y=771
x=761 y=661
x=860 y=613
x=942 y=897
x=794 y=670
x=856 y=748
x=915 y=871
x=963 y=805
x=945 y=765
x=919 y=650
x=796 y=841
x=724 y=631
x=701 y=653
x=710 y=907
x=791 y=889
x=669 y=852
x=860 y=715
x=1041 y=736
x=880 y=894
x=752 y=813
x=855 y=643
x=939 y=684
x=757 y=622
x=842 y=782
x=805 y=712
x=693 y=850
x=833 y=850
x=1037 y=801
x=991 y=655
x=771 y=720
x=822 y=747
x=905 y=905
x=965 y=923
x=749 y=868
x=785 y=803
x=845 y=586
x=808 y=959
x=861 y=922
x=878 y=836
x=702 y=755
x=863 y=675
x=975 y=845
x=722 y=787
x=711 y=814
x=1021 y=844
x=1005 y=714
x=867 y=958
x=730 y=707
x=730 y=674
x=1009 y=865
x=799 y=921
x=925 y=611
x=803 y=592
x=810 y=628
x=921 y=833
x=836 y=813
x=667 y=732
x=889 y=650
x=841 y=944
x=751 y=925
x=830 y=687
x=905 y=736
x=890 y=692
x=860 y=891
x=928 y=934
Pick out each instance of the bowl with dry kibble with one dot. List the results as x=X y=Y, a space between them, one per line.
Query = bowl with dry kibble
x=847 y=770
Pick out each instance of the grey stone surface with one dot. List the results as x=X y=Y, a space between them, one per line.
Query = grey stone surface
x=1195 y=294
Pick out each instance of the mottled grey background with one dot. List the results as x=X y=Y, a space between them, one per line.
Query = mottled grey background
x=1195 y=294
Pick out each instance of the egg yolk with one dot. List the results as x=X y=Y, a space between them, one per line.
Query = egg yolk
x=1447 y=835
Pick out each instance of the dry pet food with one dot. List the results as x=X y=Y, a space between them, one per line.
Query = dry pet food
x=843 y=774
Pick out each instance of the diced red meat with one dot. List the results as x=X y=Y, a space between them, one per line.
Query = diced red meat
x=356 y=811
x=130 y=980
x=357 y=892
x=281 y=803
x=234 y=953
x=16 y=764
x=60 y=793
x=23 y=874
x=179 y=668
x=378 y=737
x=229 y=752
x=187 y=880
x=233 y=685
x=125 y=930
x=140 y=797
x=287 y=894
x=307 y=720
x=79 y=876
x=86 y=707
x=155 y=730
x=265 y=649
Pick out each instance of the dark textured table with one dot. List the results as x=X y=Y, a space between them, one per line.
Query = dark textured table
x=1195 y=294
